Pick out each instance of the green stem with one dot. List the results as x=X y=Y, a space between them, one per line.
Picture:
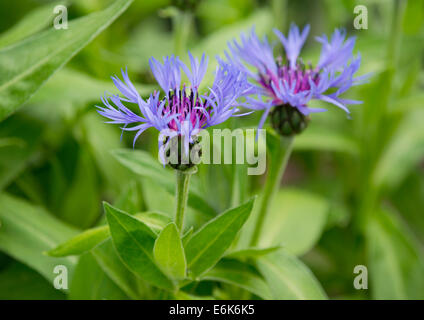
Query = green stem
x=370 y=193
x=394 y=44
x=181 y=196
x=279 y=9
x=277 y=167
x=182 y=25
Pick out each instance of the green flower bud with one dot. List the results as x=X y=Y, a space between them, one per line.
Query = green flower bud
x=287 y=120
x=181 y=160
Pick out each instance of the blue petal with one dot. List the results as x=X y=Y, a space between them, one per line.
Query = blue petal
x=294 y=42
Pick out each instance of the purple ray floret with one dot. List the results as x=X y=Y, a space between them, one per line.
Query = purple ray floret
x=182 y=110
x=286 y=80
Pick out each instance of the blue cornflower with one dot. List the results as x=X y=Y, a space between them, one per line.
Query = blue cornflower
x=292 y=84
x=182 y=111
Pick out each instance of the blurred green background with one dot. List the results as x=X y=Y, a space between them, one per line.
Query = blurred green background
x=353 y=193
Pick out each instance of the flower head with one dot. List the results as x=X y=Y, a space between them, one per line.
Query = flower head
x=182 y=110
x=286 y=81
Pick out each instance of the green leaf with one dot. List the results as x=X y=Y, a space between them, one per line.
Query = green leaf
x=154 y=220
x=18 y=282
x=396 y=259
x=134 y=243
x=32 y=23
x=108 y=259
x=101 y=138
x=157 y=199
x=143 y=164
x=404 y=152
x=21 y=74
x=81 y=243
x=169 y=252
x=208 y=245
x=408 y=198
x=15 y=157
x=187 y=235
x=129 y=199
x=413 y=17
x=91 y=283
x=410 y=102
x=80 y=205
x=27 y=231
x=289 y=278
x=251 y=253
x=30 y=187
x=320 y=137
x=295 y=221
x=239 y=274
x=7 y=142
x=90 y=238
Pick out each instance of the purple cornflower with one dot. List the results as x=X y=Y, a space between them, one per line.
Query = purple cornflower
x=292 y=83
x=182 y=111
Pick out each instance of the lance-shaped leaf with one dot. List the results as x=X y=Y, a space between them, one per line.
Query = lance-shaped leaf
x=90 y=238
x=26 y=66
x=241 y=275
x=169 y=252
x=404 y=152
x=81 y=243
x=154 y=220
x=296 y=220
x=187 y=235
x=134 y=243
x=395 y=258
x=208 y=245
x=108 y=259
x=19 y=282
x=24 y=136
x=92 y=283
x=251 y=253
x=26 y=231
x=289 y=278
x=32 y=23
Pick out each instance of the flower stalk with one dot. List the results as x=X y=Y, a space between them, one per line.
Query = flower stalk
x=181 y=196
x=277 y=167
x=182 y=21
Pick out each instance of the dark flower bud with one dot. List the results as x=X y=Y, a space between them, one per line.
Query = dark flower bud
x=287 y=120
x=179 y=158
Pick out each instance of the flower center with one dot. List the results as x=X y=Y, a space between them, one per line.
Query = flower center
x=298 y=78
x=189 y=107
